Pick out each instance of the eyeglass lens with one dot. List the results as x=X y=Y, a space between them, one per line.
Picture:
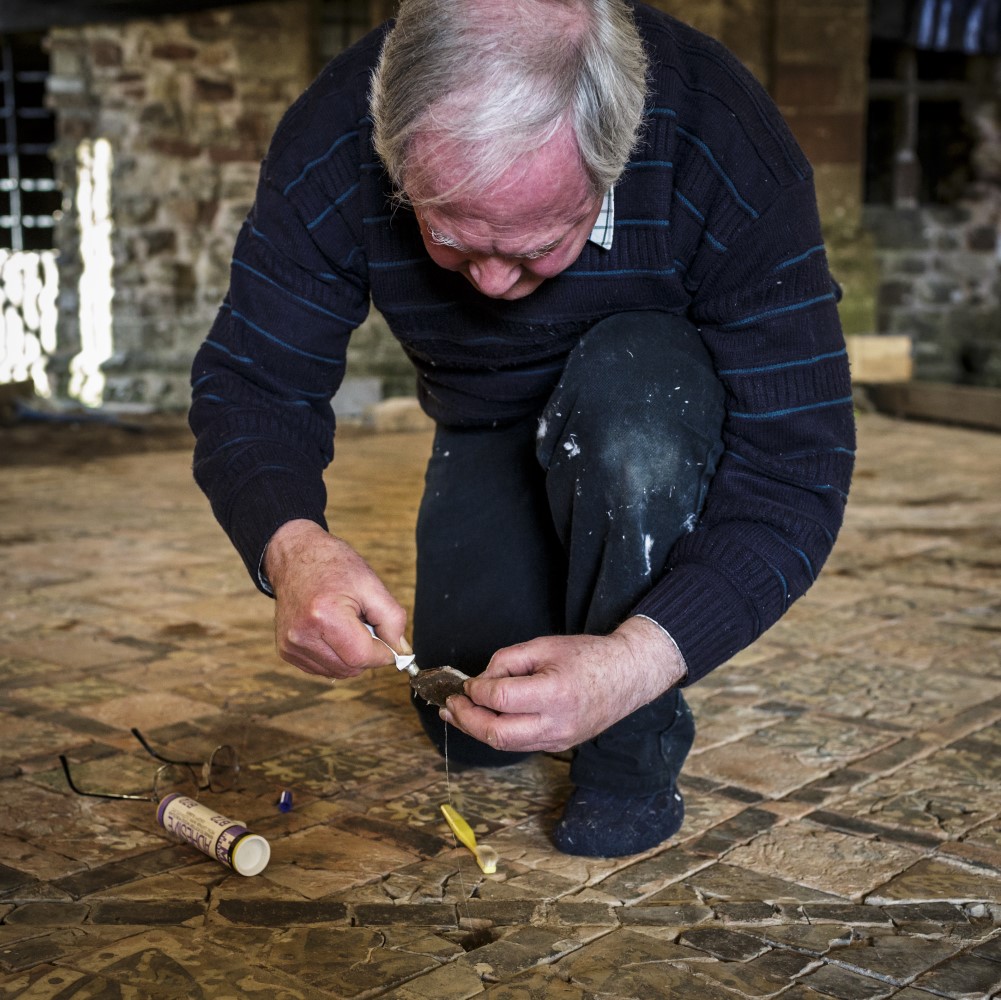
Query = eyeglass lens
x=180 y=778
x=220 y=771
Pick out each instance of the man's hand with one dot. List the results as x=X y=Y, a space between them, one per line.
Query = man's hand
x=323 y=591
x=557 y=691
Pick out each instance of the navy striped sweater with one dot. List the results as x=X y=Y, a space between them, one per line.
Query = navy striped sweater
x=715 y=219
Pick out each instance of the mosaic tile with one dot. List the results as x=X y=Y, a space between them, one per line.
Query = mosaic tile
x=704 y=812
x=922 y=801
x=331 y=769
x=895 y=958
x=347 y=961
x=730 y=882
x=450 y=982
x=626 y=963
x=180 y=962
x=833 y=981
x=933 y=880
x=753 y=978
x=539 y=984
x=321 y=861
x=783 y=757
x=149 y=713
x=32 y=737
x=823 y=859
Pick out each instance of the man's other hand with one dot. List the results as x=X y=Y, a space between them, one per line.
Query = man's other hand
x=557 y=691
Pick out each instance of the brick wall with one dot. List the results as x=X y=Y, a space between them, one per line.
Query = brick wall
x=188 y=104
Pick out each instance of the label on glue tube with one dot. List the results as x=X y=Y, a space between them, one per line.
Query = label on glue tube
x=224 y=839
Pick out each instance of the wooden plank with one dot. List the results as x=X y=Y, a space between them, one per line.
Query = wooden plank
x=970 y=406
x=880 y=357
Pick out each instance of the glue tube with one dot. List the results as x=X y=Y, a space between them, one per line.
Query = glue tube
x=224 y=839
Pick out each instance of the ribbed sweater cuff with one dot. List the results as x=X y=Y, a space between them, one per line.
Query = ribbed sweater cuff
x=704 y=613
x=260 y=508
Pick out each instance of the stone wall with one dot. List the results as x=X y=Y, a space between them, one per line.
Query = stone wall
x=941 y=285
x=940 y=266
x=188 y=104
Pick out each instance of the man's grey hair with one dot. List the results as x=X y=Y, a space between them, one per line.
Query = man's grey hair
x=498 y=78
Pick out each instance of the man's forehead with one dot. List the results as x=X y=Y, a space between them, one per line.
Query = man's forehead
x=550 y=178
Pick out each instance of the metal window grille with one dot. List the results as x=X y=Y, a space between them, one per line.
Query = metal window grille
x=29 y=193
x=919 y=141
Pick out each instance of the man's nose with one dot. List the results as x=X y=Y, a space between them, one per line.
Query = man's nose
x=494 y=276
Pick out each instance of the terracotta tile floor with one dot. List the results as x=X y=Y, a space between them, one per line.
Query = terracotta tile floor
x=843 y=836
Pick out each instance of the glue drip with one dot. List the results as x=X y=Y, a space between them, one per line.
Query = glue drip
x=455 y=842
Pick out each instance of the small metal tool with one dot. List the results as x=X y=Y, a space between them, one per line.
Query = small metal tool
x=435 y=685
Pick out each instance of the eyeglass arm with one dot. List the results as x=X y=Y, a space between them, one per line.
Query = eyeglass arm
x=159 y=756
x=98 y=795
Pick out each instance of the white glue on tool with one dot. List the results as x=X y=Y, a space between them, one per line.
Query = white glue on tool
x=224 y=839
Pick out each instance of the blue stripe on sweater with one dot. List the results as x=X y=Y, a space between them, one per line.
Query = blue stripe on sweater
x=756 y=475
x=283 y=343
x=783 y=581
x=769 y=313
x=660 y=271
x=714 y=243
x=229 y=354
x=292 y=295
x=723 y=176
x=320 y=159
x=691 y=208
x=792 y=548
x=387 y=264
x=772 y=414
x=315 y=222
x=708 y=236
x=256 y=232
x=829 y=488
x=797 y=260
x=337 y=201
x=785 y=364
x=790 y=456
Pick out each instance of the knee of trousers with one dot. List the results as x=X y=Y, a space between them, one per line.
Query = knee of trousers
x=637 y=415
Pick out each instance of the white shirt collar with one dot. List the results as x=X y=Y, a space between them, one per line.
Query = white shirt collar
x=604 y=225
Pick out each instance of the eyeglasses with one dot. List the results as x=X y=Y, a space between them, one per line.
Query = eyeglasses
x=217 y=774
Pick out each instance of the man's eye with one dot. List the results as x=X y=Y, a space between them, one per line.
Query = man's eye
x=539 y=254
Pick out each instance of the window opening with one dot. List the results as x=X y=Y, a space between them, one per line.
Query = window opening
x=932 y=64
x=30 y=200
x=29 y=193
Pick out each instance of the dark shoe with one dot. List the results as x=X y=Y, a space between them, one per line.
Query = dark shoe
x=602 y=825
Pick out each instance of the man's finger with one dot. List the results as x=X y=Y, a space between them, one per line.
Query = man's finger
x=521 y=695
x=503 y=732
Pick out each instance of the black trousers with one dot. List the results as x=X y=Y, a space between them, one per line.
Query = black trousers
x=558 y=524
